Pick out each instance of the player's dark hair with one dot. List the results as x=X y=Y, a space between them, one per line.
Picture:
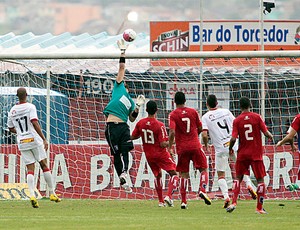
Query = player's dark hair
x=212 y=101
x=179 y=98
x=245 y=103
x=21 y=93
x=151 y=107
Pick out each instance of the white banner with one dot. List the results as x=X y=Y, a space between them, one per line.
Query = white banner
x=189 y=89
x=245 y=32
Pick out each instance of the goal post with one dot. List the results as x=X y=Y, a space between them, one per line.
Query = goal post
x=70 y=91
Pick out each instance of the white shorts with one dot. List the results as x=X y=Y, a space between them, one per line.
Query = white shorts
x=32 y=155
x=221 y=161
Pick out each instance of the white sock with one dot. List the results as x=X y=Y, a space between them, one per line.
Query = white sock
x=48 y=179
x=247 y=181
x=224 y=187
x=30 y=183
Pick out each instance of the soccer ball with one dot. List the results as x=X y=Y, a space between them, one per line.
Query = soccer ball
x=129 y=35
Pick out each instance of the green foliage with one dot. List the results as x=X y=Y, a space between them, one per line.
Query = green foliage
x=145 y=214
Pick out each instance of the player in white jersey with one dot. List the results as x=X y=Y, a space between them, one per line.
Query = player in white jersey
x=218 y=123
x=23 y=120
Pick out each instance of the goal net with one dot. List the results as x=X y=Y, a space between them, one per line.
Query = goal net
x=70 y=95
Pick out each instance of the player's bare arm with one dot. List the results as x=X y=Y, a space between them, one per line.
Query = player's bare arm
x=289 y=138
x=231 y=144
x=164 y=144
x=132 y=116
x=199 y=129
x=134 y=137
x=139 y=102
x=205 y=139
x=171 y=138
x=38 y=129
x=121 y=72
x=269 y=135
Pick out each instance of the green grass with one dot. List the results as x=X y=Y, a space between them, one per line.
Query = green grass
x=145 y=214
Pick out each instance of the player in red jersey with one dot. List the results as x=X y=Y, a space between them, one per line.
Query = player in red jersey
x=248 y=127
x=293 y=130
x=155 y=141
x=185 y=127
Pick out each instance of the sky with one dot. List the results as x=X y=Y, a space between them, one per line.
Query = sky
x=94 y=16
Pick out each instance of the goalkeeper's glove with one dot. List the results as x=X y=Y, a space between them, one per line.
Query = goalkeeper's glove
x=140 y=101
x=122 y=46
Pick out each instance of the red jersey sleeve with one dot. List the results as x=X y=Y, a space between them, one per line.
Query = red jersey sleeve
x=199 y=123
x=235 y=132
x=296 y=123
x=136 y=131
x=262 y=125
x=172 y=123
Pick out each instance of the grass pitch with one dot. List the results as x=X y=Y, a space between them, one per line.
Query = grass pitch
x=145 y=214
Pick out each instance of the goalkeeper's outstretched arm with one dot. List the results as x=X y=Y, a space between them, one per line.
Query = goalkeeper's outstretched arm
x=121 y=72
x=139 y=102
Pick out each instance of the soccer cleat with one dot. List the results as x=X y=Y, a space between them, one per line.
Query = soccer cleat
x=261 y=211
x=161 y=204
x=184 y=206
x=124 y=183
x=205 y=197
x=169 y=201
x=34 y=202
x=230 y=208
x=55 y=198
x=126 y=188
x=226 y=203
x=252 y=193
x=293 y=187
x=123 y=178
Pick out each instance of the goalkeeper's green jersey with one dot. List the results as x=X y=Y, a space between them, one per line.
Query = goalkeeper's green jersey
x=121 y=104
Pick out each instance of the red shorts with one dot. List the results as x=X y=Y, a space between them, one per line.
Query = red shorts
x=243 y=168
x=197 y=156
x=164 y=162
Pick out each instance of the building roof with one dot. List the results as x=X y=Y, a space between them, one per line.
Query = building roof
x=66 y=42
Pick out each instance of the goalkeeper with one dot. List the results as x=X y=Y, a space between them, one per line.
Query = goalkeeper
x=118 y=110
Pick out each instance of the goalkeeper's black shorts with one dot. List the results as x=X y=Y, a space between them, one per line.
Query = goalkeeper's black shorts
x=118 y=137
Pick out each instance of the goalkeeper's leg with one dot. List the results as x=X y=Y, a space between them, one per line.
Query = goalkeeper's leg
x=121 y=166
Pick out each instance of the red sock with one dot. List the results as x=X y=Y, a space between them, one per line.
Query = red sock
x=183 y=185
x=236 y=191
x=203 y=181
x=261 y=190
x=158 y=187
x=173 y=184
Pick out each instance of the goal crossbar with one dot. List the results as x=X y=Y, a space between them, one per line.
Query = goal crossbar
x=150 y=55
